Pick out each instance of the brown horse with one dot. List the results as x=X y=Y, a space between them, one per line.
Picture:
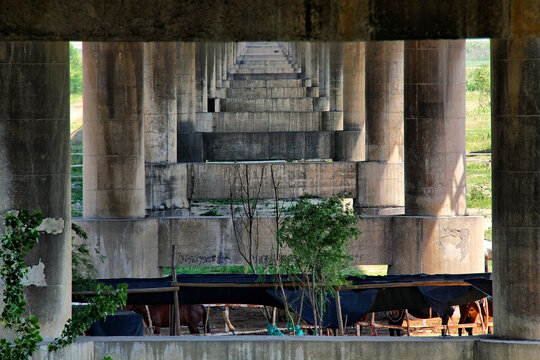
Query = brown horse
x=469 y=312
x=190 y=315
x=396 y=317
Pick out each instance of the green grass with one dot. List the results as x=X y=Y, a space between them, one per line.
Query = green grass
x=211 y=270
x=472 y=63
x=478 y=125
x=75 y=98
x=479 y=194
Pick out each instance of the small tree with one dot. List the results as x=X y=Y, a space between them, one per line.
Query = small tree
x=317 y=235
x=479 y=80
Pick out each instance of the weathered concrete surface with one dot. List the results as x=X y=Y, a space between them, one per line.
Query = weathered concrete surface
x=284 y=20
x=210 y=241
x=516 y=187
x=350 y=145
x=380 y=185
x=268 y=145
x=138 y=247
x=130 y=246
x=298 y=348
x=160 y=115
x=113 y=184
x=321 y=179
x=167 y=186
x=335 y=52
x=170 y=186
x=384 y=101
x=437 y=245
x=488 y=349
x=260 y=121
x=435 y=179
x=187 y=100
x=34 y=166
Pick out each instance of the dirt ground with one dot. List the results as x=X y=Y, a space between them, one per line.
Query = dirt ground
x=250 y=320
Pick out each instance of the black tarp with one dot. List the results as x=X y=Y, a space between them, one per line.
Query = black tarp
x=354 y=303
x=122 y=323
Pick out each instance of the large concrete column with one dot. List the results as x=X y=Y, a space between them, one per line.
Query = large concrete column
x=211 y=69
x=384 y=101
x=435 y=128
x=435 y=236
x=381 y=178
x=189 y=142
x=515 y=79
x=350 y=143
x=114 y=179
x=201 y=86
x=324 y=77
x=160 y=111
x=336 y=86
x=315 y=63
x=34 y=167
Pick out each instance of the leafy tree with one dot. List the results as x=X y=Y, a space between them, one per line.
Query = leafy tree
x=479 y=80
x=317 y=235
x=75 y=70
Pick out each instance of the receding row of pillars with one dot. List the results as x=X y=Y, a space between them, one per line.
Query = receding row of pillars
x=34 y=147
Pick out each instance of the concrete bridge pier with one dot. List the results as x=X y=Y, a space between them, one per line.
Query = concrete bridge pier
x=324 y=80
x=201 y=80
x=380 y=177
x=436 y=236
x=515 y=79
x=350 y=143
x=189 y=143
x=160 y=108
x=334 y=118
x=34 y=167
x=114 y=183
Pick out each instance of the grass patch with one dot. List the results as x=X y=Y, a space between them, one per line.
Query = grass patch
x=479 y=182
x=75 y=98
x=478 y=125
x=211 y=212
x=208 y=270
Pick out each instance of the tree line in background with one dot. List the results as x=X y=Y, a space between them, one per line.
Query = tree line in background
x=75 y=70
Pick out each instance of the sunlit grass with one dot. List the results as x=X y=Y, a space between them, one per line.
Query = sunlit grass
x=478 y=125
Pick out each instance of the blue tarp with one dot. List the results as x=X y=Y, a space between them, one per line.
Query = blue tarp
x=354 y=303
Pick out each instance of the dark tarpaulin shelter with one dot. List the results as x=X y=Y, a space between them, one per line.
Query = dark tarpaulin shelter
x=363 y=295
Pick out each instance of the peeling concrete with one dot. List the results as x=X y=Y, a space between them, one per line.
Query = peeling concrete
x=36 y=275
x=52 y=226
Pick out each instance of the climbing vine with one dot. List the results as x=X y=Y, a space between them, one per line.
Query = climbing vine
x=19 y=239
x=16 y=243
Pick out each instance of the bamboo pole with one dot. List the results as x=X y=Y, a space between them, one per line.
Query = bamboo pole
x=349 y=287
x=176 y=297
x=339 y=314
x=408 y=325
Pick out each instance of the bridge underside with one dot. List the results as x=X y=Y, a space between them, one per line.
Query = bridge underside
x=121 y=100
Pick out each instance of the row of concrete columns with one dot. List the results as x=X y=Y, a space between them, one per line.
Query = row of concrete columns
x=34 y=149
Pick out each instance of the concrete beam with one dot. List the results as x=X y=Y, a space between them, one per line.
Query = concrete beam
x=268 y=145
x=137 y=247
x=324 y=179
x=284 y=20
x=298 y=348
